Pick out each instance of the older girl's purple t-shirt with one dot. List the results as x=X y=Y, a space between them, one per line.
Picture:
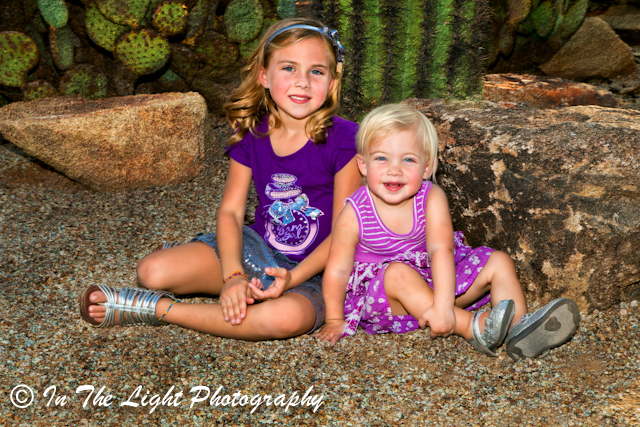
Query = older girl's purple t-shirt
x=295 y=192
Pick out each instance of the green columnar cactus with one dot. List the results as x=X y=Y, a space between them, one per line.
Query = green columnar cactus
x=286 y=8
x=85 y=80
x=461 y=82
x=170 y=18
x=374 y=33
x=123 y=12
x=243 y=19
x=142 y=51
x=407 y=49
x=61 y=44
x=18 y=55
x=441 y=48
x=54 y=12
x=103 y=32
x=39 y=89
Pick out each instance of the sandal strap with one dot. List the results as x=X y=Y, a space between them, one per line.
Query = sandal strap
x=477 y=341
x=135 y=306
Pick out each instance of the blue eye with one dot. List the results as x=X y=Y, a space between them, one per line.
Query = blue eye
x=317 y=72
x=288 y=68
x=409 y=160
x=380 y=158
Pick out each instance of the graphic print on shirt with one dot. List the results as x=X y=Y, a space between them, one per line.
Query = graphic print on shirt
x=293 y=225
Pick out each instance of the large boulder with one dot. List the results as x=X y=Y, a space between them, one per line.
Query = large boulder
x=624 y=19
x=594 y=51
x=115 y=143
x=558 y=190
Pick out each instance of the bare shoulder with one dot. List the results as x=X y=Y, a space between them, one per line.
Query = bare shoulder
x=347 y=223
x=437 y=198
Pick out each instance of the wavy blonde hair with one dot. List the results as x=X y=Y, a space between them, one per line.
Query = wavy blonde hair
x=251 y=101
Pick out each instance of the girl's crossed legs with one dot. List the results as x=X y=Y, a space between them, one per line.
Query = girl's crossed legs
x=194 y=268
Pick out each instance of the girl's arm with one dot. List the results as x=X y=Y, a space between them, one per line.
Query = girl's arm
x=346 y=182
x=439 y=229
x=233 y=296
x=336 y=276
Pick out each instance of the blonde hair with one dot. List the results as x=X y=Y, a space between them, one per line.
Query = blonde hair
x=392 y=118
x=251 y=101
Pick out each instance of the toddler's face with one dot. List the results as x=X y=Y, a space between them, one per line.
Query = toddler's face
x=394 y=167
x=299 y=78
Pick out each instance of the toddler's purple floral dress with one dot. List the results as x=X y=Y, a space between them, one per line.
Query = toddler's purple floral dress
x=366 y=301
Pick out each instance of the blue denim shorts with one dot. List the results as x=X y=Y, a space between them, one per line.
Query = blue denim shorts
x=257 y=255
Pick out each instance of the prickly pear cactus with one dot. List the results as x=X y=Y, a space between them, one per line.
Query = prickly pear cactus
x=286 y=8
x=39 y=89
x=54 y=12
x=123 y=12
x=61 y=43
x=243 y=19
x=85 y=80
x=216 y=50
x=18 y=55
x=170 y=18
x=198 y=17
x=142 y=51
x=103 y=32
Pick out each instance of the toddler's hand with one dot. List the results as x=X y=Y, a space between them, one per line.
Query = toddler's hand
x=441 y=320
x=234 y=299
x=282 y=279
x=331 y=331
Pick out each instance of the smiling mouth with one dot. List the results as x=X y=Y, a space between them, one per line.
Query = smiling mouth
x=393 y=186
x=299 y=99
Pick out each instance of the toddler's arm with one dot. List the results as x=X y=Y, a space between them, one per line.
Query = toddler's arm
x=336 y=275
x=440 y=317
x=235 y=294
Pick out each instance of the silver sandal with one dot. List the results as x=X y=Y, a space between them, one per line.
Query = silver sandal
x=546 y=328
x=135 y=306
x=496 y=327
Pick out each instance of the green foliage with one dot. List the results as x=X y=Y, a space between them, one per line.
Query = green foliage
x=170 y=18
x=54 y=12
x=243 y=19
x=441 y=48
x=572 y=20
x=286 y=8
x=39 y=89
x=407 y=50
x=18 y=55
x=543 y=18
x=61 y=44
x=85 y=80
x=123 y=12
x=103 y=32
x=142 y=51
x=462 y=84
x=374 y=53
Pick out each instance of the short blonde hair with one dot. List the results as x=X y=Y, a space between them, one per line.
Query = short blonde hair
x=392 y=118
x=250 y=102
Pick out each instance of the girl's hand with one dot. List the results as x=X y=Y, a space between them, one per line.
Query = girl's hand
x=277 y=288
x=441 y=320
x=234 y=299
x=331 y=331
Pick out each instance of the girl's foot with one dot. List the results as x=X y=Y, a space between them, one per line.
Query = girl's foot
x=552 y=325
x=104 y=306
x=496 y=327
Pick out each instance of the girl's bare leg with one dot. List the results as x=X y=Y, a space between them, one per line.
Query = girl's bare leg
x=499 y=276
x=408 y=293
x=288 y=316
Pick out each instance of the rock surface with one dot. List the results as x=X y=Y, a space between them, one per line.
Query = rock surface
x=558 y=190
x=624 y=20
x=116 y=143
x=543 y=92
x=594 y=51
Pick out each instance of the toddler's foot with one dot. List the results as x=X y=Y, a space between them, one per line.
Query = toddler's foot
x=105 y=306
x=552 y=325
x=495 y=327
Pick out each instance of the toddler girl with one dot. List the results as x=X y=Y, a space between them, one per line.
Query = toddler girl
x=300 y=156
x=411 y=270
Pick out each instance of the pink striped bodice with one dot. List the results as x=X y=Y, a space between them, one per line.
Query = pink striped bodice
x=376 y=240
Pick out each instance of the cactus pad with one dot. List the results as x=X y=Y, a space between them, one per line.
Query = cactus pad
x=18 y=54
x=103 y=32
x=123 y=12
x=39 y=89
x=54 y=12
x=216 y=50
x=286 y=8
x=543 y=18
x=61 y=43
x=170 y=18
x=243 y=19
x=198 y=16
x=142 y=51
x=84 y=80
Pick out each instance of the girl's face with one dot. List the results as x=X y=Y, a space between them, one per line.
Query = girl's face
x=395 y=167
x=298 y=78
